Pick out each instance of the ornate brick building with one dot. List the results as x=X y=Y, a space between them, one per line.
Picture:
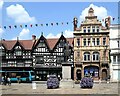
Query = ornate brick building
x=91 y=47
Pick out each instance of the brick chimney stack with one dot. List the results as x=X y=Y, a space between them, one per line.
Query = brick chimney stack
x=33 y=37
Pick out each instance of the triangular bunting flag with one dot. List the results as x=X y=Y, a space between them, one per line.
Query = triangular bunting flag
x=21 y=26
x=41 y=24
x=4 y=27
x=15 y=26
x=25 y=25
x=46 y=24
x=30 y=25
x=10 y=27
x=56 y=23
x=36 y=25
x=52 y=24
x=113 y=19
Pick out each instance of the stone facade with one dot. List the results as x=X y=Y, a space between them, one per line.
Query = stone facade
x=91 y=48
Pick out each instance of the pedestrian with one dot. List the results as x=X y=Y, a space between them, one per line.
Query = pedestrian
x=2 y=80
x=9 y=81
x=5 y=80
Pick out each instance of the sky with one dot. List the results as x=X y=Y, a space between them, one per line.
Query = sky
x=31 y=13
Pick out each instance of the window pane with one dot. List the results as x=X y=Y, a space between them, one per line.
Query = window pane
x=84 y=29
x=84 y=42
x=85 y=57
x=78 y=42
x=104 y=41
x=98 y=41
x=88 y=29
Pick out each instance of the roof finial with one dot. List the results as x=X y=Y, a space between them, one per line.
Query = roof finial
x=61 y=33
x=41 y=33
x=17 y=38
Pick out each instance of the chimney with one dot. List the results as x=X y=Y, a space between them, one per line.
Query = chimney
x=33 y=37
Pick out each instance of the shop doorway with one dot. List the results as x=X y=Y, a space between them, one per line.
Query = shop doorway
x=78 y=74
x=104 y=74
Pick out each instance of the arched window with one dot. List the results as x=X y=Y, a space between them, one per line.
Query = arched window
x=95 y=56
x=86 y=56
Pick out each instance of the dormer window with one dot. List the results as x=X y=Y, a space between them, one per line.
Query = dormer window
x=61 y=44
x=42 y=43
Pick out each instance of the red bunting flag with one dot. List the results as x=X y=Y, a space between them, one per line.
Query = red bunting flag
x=30 y=25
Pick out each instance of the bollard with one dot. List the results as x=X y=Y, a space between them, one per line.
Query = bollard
x=34 y=85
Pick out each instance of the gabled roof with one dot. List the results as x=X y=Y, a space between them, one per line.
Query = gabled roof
x=52 y=42
x=29 y=44
x=9 y=44
x=26 y=44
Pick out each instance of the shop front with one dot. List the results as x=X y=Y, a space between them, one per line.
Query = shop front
x=92 y=71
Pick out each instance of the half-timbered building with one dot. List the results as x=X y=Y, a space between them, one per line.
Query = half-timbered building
x=44 y=56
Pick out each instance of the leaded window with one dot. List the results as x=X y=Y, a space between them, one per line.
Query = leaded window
x=61 y=43
x=40 y=60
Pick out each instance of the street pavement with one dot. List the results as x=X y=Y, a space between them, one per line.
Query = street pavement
x=65 y=88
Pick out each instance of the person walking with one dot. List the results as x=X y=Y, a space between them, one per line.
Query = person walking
x=9 y=81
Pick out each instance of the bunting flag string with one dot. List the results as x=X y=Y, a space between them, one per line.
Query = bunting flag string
x=31 y=25
x=46 y=24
